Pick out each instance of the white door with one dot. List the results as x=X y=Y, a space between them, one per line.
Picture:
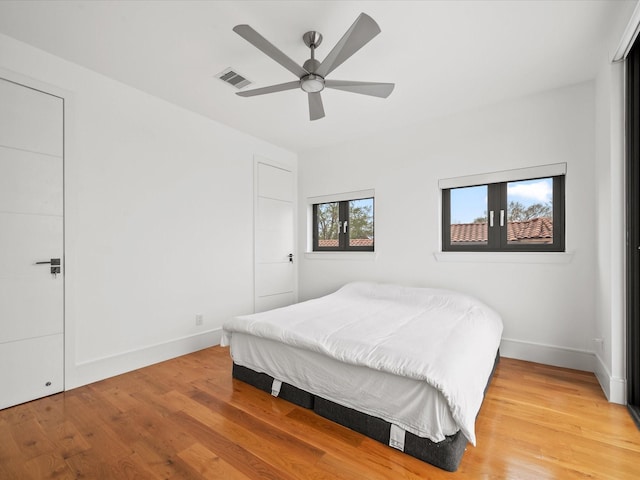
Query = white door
x=31 y=231
x=274 y=237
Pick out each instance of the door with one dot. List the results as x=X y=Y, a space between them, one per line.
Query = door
x=31 y=231
x=274 y=237
x=633 y=232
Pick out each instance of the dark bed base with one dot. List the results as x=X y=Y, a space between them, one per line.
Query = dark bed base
x=263 y=382
x=445 y=454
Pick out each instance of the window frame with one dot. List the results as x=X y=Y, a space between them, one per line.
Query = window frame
x=497 y=235
x=343 y=234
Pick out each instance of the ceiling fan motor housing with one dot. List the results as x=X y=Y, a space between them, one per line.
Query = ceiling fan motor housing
x=311 y=65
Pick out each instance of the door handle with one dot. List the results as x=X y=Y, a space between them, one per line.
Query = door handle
x=53 y=261
x=55 y=265
x=290 y=257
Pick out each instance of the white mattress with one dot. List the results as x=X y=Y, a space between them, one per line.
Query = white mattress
x=411 y=404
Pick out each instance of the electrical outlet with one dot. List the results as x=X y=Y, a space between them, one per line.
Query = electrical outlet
x=199 y=319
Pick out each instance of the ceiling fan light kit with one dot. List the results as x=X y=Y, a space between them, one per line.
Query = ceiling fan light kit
x=312 y=75
x=312 y=83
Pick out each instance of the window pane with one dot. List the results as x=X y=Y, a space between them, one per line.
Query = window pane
x=469 y=216
x=361 y=223
x=530 y=212
x=327 y=215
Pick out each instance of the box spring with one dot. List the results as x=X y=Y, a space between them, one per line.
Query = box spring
x=445 y=454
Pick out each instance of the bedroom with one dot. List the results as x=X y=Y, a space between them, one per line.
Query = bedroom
x=159 y=199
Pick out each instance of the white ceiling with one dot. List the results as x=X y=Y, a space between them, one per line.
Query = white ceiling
x=443 y=56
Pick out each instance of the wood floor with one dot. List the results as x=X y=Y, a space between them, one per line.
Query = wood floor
x=187 y=419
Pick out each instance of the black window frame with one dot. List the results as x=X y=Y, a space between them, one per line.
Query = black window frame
x=497 y=235
x=343 y=233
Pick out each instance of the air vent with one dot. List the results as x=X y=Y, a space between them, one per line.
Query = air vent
x=231 y=77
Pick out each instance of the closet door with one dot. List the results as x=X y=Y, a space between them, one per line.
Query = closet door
x=274 y=237
x=31 y=244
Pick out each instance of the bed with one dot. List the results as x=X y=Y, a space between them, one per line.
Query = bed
x=405 y=366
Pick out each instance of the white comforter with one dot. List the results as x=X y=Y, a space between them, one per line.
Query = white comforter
x=444 y=338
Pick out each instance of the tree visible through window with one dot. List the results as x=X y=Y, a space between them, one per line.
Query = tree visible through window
x=360 y=226
x=327 y=224
x=345 y=225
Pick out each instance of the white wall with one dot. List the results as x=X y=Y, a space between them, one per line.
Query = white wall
x=159 y=219
x=547 y=302
x=610 y=187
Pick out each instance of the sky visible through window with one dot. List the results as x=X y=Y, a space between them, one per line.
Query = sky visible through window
x=362 y=203
x=470 y=203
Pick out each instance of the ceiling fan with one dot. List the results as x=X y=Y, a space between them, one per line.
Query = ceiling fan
x=312 y=74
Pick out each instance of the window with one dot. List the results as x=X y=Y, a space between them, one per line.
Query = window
x=519 y=215
x=343 y=225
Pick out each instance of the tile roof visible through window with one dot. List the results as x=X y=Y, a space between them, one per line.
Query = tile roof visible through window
x=536 y=230
x=361 y=242
x=354 y=242
x=469 y=232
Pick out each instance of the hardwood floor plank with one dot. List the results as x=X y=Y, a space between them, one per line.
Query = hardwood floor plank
x=156 y=438
x=121 y=398
x=261 y=440
x=49 y=411
x=133 y=467
x=376 y=465
x=68 y=440
x=11 y=459
x=161 y=459
x=18 y=414
x=49 y=466
x=31 y=439
x=232 y=452
x=258 y=428
x=323 y=434
x=90 y=464
x=187 y=419
x=208 y=465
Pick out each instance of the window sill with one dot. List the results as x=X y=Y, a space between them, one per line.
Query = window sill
x=366 y=256
x=504 y=257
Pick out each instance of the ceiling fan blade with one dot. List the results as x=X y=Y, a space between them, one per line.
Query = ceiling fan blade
x=382 y=90
x=264 y=45
x=281 y=87
x=360 y=33
x=316 y=110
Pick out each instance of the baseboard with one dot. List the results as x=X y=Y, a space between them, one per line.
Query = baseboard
x=615 y=389
x=548 y=354
x=99 y=369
